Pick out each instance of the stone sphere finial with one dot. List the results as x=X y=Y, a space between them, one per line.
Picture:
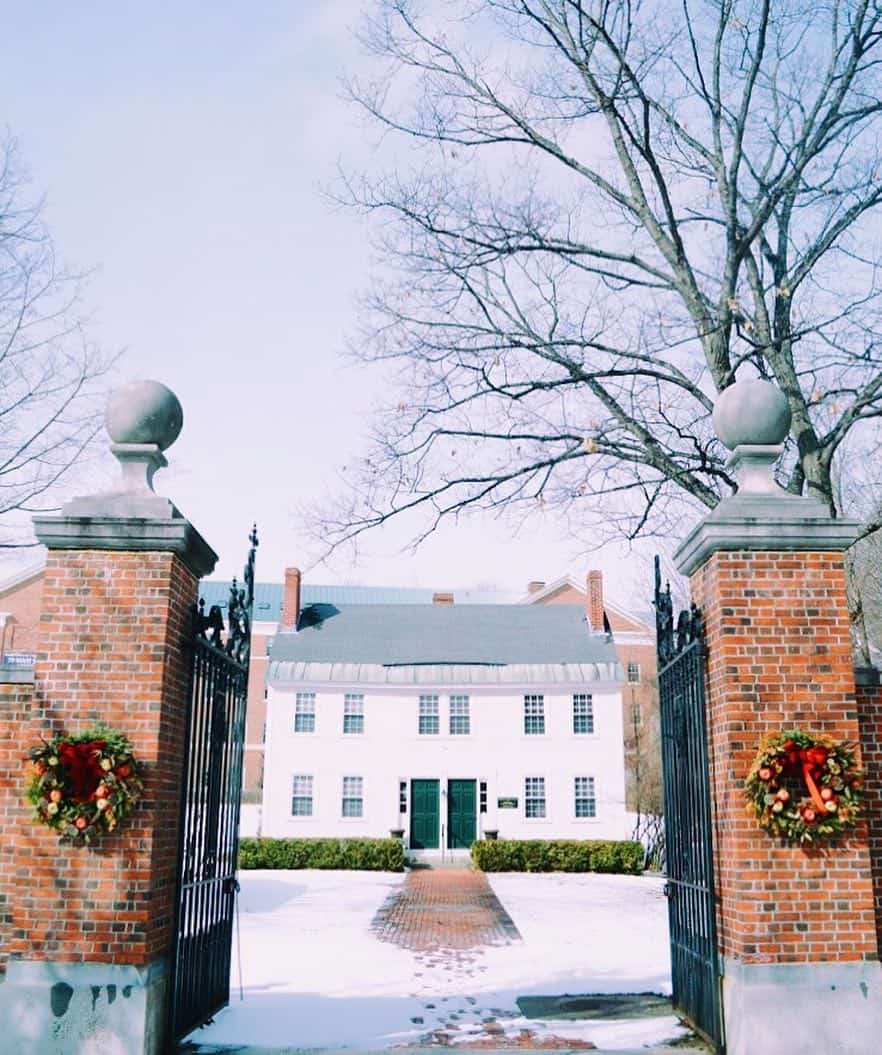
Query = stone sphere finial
x=144 y=412
x=751 y=413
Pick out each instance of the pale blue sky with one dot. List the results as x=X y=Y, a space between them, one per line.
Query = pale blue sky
x=183 y=148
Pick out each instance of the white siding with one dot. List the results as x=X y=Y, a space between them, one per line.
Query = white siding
x=496 y=751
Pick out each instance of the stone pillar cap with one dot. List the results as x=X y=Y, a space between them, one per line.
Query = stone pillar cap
x=752 y=418
x=143 y=419
x=753 y=412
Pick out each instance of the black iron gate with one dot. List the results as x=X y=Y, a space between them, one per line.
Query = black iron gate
x=695 y=960
x=209 y=843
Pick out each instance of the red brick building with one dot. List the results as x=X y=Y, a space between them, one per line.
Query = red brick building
x=21 y=597
x=634 y=635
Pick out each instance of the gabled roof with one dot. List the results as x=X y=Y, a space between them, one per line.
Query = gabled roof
x=406 y=635
x=22 y=575
x=646 y=619
x=551 y=588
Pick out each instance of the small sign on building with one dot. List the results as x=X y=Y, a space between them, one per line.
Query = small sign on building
x=19 y=659
x=507 y=804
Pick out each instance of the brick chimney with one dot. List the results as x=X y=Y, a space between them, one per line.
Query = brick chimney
x=291 y=602
x=535 y=586
x=594 y=602
x=442 y=598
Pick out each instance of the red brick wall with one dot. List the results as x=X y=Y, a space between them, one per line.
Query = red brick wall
x=870 y=713
x=15 y=705
x=112 y=647
x=779 y=654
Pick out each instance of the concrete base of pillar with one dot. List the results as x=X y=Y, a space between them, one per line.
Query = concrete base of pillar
x=834 y=1008
x=83 y=1008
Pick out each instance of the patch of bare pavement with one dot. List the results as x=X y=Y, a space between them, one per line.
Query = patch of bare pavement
x=461 y=1024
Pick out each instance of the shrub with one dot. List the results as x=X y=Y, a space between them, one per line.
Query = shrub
x=365 y=855
x=558 y=855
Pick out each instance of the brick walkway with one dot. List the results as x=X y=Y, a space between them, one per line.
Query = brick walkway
x=444 y=909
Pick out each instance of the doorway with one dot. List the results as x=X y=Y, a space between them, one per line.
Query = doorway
x=462 y=810
x=425 y=814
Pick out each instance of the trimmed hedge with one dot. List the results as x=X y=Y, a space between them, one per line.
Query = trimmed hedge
x=558 y=855
x=364 y=855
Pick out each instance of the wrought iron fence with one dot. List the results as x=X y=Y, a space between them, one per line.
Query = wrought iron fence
x=209 y=839
x=692 y=904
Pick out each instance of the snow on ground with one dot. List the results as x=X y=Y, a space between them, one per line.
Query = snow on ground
x=314 y=975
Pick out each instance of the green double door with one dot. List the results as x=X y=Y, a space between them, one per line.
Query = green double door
x=425 y=814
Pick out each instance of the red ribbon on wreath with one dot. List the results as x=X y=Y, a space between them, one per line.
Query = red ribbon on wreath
x=82 y=762
x=813 y=759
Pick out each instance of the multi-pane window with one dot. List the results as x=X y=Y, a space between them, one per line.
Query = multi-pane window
x=534 y=796
x=301 y=796
x=353 y=796
x=586 y=803
x=482 y=793
x=583 y=713
x=304 y=713
x=460 y=721
x=402 y=796
x=430 y=721
x=353 y=713
x=534 y=714
x=633 y=671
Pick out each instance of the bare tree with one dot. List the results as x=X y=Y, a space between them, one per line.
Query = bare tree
x=859 y=488
x=48 y=367
x=600 y=214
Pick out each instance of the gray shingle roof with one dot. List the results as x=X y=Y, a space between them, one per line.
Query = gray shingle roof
x=399 y=635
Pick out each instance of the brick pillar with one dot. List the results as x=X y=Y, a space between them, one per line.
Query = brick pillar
x=91 y=928
x=797 y=928
x=869 y=700
x=16 y=700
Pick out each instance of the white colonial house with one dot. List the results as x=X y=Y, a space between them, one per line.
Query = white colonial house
x=445 y=722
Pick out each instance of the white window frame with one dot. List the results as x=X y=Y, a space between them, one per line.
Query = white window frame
x=460 y=716
x=355 y=787
x=427 y=701
x=587 y=794
x=534 y=714
x=311 y=796
x=583 y=698
x=301 y=710
x=633 y=668
x=536 y=784
x=353 y=707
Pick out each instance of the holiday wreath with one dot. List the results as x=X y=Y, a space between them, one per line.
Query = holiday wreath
x=83 y=785
x=804 y=787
